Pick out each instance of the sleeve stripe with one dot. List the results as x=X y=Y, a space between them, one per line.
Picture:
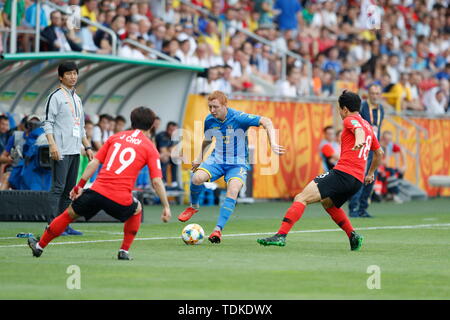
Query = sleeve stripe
x=48 y=103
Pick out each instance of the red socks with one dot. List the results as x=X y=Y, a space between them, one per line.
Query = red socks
x=130 y=229
x=58 y=225
x=338 y=215
x=293 y=214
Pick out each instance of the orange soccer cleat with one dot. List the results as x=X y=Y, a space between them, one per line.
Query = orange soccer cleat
x=215 y=237
x=187 y=214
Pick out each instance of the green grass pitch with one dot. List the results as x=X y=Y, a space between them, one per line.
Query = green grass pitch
x=412 y=250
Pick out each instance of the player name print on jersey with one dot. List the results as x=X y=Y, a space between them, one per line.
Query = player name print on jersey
x=132 y=139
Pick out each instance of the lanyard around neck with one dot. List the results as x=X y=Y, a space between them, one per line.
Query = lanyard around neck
x=371 y=115
x=71 y=105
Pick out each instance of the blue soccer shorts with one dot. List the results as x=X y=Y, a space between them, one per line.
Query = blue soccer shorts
x=229 y=171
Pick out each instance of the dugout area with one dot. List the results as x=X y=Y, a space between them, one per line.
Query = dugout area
x=106 y=84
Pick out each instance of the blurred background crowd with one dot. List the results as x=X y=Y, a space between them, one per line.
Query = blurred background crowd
x=329 y=47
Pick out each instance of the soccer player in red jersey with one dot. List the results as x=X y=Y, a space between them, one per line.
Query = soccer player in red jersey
x=336 y=186
x=123 y=156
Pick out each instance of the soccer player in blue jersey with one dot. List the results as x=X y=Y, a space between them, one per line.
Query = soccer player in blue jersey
x=229 y=158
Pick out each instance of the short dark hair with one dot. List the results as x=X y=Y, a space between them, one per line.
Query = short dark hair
x=327 y=128
x=66 y=67
x=142 y=118
x=105 y=116
x=120 y=118
x=350 y=100
x=3 y=117
x=171 y=123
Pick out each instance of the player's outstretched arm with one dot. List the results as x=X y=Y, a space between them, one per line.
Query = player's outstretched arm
x=376 y=161
x=360 y=138
x=87 y=174
x=268 y=126
x=158 y=185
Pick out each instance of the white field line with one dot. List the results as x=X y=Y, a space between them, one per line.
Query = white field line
x=418 y=226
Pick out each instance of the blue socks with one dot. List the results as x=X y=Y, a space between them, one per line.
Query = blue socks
x=226 y=210
x=195 y=194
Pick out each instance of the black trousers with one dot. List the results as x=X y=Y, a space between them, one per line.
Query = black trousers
x=64 y=178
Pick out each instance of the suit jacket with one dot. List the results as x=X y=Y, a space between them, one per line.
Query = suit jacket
x=49 y=35
x=377 y=116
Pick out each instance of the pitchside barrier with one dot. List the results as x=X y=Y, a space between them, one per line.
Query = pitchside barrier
x=26 y=205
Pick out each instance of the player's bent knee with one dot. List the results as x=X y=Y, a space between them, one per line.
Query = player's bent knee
x=72 y=213
x=327 y=203
x=200 y=177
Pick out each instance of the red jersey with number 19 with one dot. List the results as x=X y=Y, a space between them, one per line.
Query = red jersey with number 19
x=123 y=156
x=351 y=161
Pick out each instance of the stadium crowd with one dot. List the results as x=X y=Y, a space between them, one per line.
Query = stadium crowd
x=409 y=56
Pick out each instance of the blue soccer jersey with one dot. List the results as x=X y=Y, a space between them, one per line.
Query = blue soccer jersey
x=231 y=137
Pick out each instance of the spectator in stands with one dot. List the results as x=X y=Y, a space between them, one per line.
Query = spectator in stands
x=326 y=16
x=329 y=149
x=373 y=112
x=144 y=28
x=184 y=51
x=131 y=51
x=157 y=37
x=265 y=11
x=444 y=74
x=30 y=16
x=209 y=84
x=327 y=84
x=225 y=82
x=7 y=9
x=165 y=146
x=103 y=40
x=289 y=14
x=436 y=101
x=90 y=9
x=102 y=131
x=119 y=124
x=289 y=87
x=211 y=38
x=170 y=48
x=202 y=56
x=333 y=63
x=5 y=132
x=55 y=37
x=390 y=174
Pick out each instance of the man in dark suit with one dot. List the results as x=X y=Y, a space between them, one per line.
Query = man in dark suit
x=55 y=35
x=373 y=112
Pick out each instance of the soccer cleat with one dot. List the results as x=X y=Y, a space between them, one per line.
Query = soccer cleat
x=72 y=232
x=32 y=242
x=356 y=241
x=215 y=237
x=276 y=240
x=187 y=214
x=123 y=255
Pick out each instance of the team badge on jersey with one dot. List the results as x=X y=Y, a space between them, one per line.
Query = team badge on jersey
x=356 y=123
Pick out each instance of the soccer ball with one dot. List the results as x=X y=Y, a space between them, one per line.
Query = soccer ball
x=193 y=234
